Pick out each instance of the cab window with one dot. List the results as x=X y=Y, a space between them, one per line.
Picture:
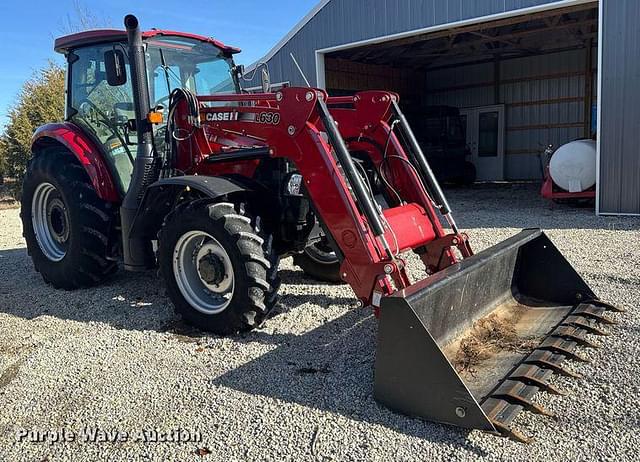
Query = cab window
x=103 y=110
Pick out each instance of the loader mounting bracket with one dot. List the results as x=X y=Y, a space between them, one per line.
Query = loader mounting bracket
x=160 y=198
x=439 y=255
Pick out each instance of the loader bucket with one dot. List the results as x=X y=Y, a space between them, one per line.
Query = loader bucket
x=471 y=345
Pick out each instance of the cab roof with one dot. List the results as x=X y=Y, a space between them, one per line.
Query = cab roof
x=95 y=36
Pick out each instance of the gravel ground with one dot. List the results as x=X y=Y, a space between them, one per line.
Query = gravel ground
x=300 y=388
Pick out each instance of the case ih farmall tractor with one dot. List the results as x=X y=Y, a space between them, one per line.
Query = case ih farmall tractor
x=165 y=162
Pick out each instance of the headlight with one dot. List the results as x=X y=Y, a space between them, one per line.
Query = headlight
x=294 y=184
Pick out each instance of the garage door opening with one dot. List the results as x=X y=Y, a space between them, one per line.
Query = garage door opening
x=495 y=94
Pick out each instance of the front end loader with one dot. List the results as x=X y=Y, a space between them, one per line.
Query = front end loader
x=160 y=149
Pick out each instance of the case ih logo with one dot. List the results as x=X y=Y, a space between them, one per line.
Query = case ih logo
x=221 y=116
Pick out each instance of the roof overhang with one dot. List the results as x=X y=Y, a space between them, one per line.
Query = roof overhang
x=297 y=28
x=542 y=32
x=96 y=36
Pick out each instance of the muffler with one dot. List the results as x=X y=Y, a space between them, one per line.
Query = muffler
x=472 y=344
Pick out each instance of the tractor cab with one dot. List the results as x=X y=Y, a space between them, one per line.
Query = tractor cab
x=104 y=109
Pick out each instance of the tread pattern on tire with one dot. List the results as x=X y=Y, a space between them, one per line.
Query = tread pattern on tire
x=92 y=220
x=254 y=249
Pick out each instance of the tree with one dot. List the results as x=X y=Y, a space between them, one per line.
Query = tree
x=82 y=18
x=40 y=101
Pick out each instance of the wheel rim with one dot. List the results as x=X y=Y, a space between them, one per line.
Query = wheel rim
x=50 y=219
x=320 y=252
x=203 y=272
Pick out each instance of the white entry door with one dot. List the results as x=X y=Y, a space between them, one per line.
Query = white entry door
x=485 y=138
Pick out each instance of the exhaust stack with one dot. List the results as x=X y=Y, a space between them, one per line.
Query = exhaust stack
x=138 y=253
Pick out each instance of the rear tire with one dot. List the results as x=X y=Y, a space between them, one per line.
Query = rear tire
x=319 y=262
x=65 y=223
x=219 y=268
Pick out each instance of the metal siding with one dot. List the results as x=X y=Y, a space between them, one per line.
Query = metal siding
x=460 y=76
x=347 y=21
x=523 y=165
x=526 y=166
x=455 y=76
x=620 y=112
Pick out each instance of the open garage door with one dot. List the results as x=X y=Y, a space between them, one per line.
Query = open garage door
x=540 y=68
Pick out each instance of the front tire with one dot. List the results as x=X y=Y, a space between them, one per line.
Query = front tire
x=220 y=272
x=65 y=223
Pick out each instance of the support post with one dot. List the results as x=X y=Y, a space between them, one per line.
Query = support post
x=588 y=88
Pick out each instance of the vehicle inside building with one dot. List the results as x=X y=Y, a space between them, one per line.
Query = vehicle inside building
x=519 y=83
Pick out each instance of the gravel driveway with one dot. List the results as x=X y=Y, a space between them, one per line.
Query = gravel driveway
x=81 y=364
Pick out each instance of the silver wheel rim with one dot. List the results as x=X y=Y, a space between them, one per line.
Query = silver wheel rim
x=203 y=272
x=50 y=220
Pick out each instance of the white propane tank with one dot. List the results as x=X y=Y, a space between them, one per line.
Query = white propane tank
x=573 y=166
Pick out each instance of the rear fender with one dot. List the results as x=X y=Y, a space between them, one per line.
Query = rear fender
x=163 y=195
x=85 y=150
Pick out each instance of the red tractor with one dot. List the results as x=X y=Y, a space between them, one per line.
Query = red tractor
x=165 y=162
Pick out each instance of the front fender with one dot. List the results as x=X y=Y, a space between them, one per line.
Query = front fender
x=85 y=150
x=160 y=198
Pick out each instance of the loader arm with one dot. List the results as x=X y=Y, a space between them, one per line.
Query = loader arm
x=475 y=340
x=305 y=126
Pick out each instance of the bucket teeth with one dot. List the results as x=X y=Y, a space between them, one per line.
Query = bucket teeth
x=519 y=393
x=575 y=334
x=564 y=347
x=548 y=360
x=604 y=305
x=516 y=392
x=593 y=312
x=537 y=377
x=501 y=413
x=512 y=433
x=584 y=323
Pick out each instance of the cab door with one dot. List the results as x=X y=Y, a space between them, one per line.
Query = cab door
x=103 y=111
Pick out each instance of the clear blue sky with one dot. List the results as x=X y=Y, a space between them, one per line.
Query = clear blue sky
x=28 y=27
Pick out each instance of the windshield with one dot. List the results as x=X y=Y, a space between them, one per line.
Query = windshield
x=176 y=62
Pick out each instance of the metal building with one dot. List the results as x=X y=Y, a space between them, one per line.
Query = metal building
x=525 y=73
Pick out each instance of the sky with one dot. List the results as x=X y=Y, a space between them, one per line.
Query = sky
x=28 y=28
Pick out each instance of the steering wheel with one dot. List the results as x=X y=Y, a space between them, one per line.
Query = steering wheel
x=104 y=120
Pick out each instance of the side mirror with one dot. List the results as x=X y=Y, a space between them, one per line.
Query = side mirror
x=239 y=69
x=114 y=66
x=266 y=80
